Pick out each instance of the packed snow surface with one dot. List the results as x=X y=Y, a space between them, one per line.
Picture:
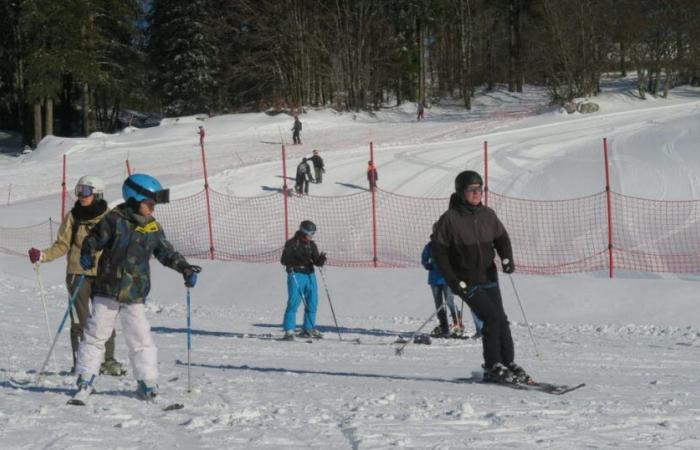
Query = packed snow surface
x=634 y=340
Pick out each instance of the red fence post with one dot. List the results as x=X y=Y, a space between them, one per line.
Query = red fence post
x=206 y=191
x=486 y=173
x=286 y=194
x=373 y=191
x=64 y=192
x=128 y=168
x=608 y=195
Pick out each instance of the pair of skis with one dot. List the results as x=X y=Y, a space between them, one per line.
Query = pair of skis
x=547 y=388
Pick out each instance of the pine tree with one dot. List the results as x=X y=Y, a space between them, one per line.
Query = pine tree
x=185 y=57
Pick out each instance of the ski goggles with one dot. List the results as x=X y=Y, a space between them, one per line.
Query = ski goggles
x=308 y=232
x=162 y=196
x=83 y=190
x=479 y=189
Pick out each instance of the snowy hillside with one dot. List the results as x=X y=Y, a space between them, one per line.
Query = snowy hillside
x=634 y=340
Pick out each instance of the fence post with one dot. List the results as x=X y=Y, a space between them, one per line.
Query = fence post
x=486 y=173
x=206 y=192
x=608 y=195
x=63 y=189
x=128 y=168
x=286 y=193
x=373 y=191
x=50 y=230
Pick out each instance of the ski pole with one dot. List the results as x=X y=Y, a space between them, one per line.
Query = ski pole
x=517 y=296
x=42 y=294
x=325 y=285
x=189 y=339
x=71 y=302
x=399 y=350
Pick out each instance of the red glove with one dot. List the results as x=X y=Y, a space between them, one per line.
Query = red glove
x=34 y=255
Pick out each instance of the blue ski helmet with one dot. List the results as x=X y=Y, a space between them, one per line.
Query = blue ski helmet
x=140 y=187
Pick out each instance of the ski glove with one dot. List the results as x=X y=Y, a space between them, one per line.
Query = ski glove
x=321 y=260
x=189 y=273
x=34 y=255
x=508 y=266
x=87 y=262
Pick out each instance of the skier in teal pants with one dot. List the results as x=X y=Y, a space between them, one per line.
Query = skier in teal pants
x=299 y=256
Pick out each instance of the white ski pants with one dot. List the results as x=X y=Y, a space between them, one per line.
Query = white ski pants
x=136 y=330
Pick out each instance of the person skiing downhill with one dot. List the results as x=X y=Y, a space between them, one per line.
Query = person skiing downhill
x=463 y=248
x=299 y=257
x=87 y=211
x=127 y=236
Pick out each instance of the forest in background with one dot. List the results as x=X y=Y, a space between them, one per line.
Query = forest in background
x=73 y=67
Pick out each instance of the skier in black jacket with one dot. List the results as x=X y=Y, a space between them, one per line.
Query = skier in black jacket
x=299 y=257
x=319 y=169
x=463 y=247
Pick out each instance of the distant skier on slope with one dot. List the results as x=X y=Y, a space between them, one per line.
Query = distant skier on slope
x=372 y=175
x=303 y=177
x=299 y=257
x=463 y=247
x=296 y=130
x=201 y=134
x=87 y=211
x=127 y=236
x=319 y=168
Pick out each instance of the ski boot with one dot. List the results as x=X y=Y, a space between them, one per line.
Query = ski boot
x=439 y=332
x=458 y=329
x=422 y=339
x=113 y=368
x=519 y=374
x=288 y=336
x=85 y=388
x=147 y=390
x=313 y=333
x=498 y=373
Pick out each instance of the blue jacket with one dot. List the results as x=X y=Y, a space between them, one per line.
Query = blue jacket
x=435 y=277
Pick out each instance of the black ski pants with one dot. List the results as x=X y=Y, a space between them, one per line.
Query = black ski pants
x=485 y=301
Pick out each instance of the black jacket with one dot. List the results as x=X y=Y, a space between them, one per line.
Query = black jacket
x=317 y=161
x=464 y=243
x=303 y=173
x=300 y=255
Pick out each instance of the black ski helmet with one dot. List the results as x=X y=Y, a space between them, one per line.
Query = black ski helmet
x=466 y=178
x=307 y=227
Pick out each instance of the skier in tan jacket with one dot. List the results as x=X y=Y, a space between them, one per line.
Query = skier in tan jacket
x=87 y=211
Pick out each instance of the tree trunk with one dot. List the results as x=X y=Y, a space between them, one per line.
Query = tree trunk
x=37 y=123
x=49 y=116
x=86 y=110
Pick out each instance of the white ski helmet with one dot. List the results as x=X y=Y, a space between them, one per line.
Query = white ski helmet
x=90 y=183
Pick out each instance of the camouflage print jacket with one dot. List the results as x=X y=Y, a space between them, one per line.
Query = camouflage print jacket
x=127 y=241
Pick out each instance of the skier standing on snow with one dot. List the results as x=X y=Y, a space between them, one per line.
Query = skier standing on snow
x=421 y=110
x=442 y=294
x=299 y=257
x=201 y=133
x=463 y=247
x=303 y=177
x=296 y=128
x=87 y=211
x=372 y=175
x=319 y=169
x=128 y=236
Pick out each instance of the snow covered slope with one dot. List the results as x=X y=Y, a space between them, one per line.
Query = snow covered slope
x=634 y=340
